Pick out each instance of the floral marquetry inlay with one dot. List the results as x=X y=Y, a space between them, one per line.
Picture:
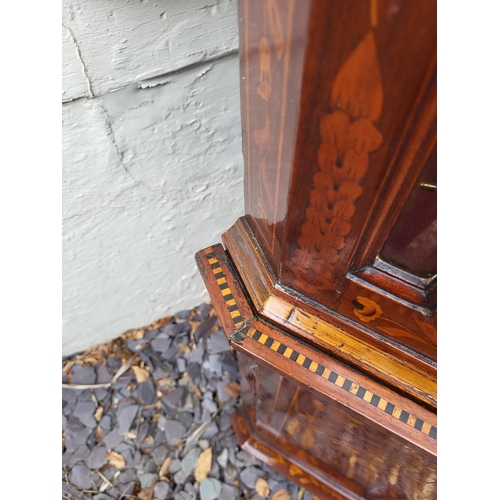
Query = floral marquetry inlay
x=366 y=309
x=348 y=136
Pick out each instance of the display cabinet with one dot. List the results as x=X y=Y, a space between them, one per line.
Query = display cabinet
x=327 y=286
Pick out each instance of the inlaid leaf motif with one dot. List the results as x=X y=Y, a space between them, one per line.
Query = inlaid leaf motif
x=358 y=86
x=348 y=136
x=265 y=84
x=428 y=330
x=276 y=30
x=366 y=309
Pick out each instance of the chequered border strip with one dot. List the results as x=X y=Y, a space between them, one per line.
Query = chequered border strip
x=224 y=287
x=320 y=370
x=343 y=383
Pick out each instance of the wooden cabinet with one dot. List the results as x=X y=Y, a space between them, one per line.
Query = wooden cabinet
x=327 y=286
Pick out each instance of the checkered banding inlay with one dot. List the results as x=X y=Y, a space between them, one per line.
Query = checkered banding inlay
x=321 y=371
x=345 y=384
x=224 y=287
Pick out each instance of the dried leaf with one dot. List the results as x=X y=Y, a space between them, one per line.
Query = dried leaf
x=141 y=374
x=203 y=465
x=116 y=459
x=194 y=325
x=261 y=487
x=164 y=467
x=163 y=383
x=183 y=348
x=149 y=440
x=197 y=391
x=141 y=347
x=138 y=334
x=159 y=323
x=91 y=360
x=99 y=434
x=233 y=389
x=145 y=494
x=98 y=413
x=281 y=495
x=67 y=366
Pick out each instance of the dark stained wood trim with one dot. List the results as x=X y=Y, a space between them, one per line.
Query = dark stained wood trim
x=412 y=295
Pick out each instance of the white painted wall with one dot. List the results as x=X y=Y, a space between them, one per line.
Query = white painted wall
x=152 y=161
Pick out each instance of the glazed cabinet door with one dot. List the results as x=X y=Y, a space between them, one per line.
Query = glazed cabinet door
x=339 y=132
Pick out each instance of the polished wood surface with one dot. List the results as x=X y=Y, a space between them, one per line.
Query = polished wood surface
x=346 y=141
x=339 y=448
x=273 y=39
x=327 y=286
x=336 y=429
x=326 y=329
x=250 y=335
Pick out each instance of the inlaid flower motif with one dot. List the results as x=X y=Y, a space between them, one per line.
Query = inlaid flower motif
x=366 y=309
x=265 y=82
x=348 y=136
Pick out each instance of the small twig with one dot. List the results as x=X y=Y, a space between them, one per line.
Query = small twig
x=65 y=468
x=105 y=482
x=108 y=385
x=139 y=413
x=69 y=496
x=203 y=427
x=124 y=491
x=86 y=386
x=123 y=369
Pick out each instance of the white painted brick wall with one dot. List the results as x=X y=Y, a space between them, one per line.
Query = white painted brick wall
x=152 y=162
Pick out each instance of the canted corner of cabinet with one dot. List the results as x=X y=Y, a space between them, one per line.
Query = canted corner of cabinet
x=226 y=293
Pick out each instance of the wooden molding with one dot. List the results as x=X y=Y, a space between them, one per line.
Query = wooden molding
x=290 y=466
x=308 y=366
x=362 y=348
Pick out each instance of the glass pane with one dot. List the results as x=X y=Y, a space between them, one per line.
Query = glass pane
x=412 y=243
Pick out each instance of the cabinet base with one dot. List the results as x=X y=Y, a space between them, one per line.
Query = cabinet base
x=286 y=465
x=331 y=429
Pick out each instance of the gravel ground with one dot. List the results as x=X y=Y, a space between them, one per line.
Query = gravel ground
x=147 y=416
